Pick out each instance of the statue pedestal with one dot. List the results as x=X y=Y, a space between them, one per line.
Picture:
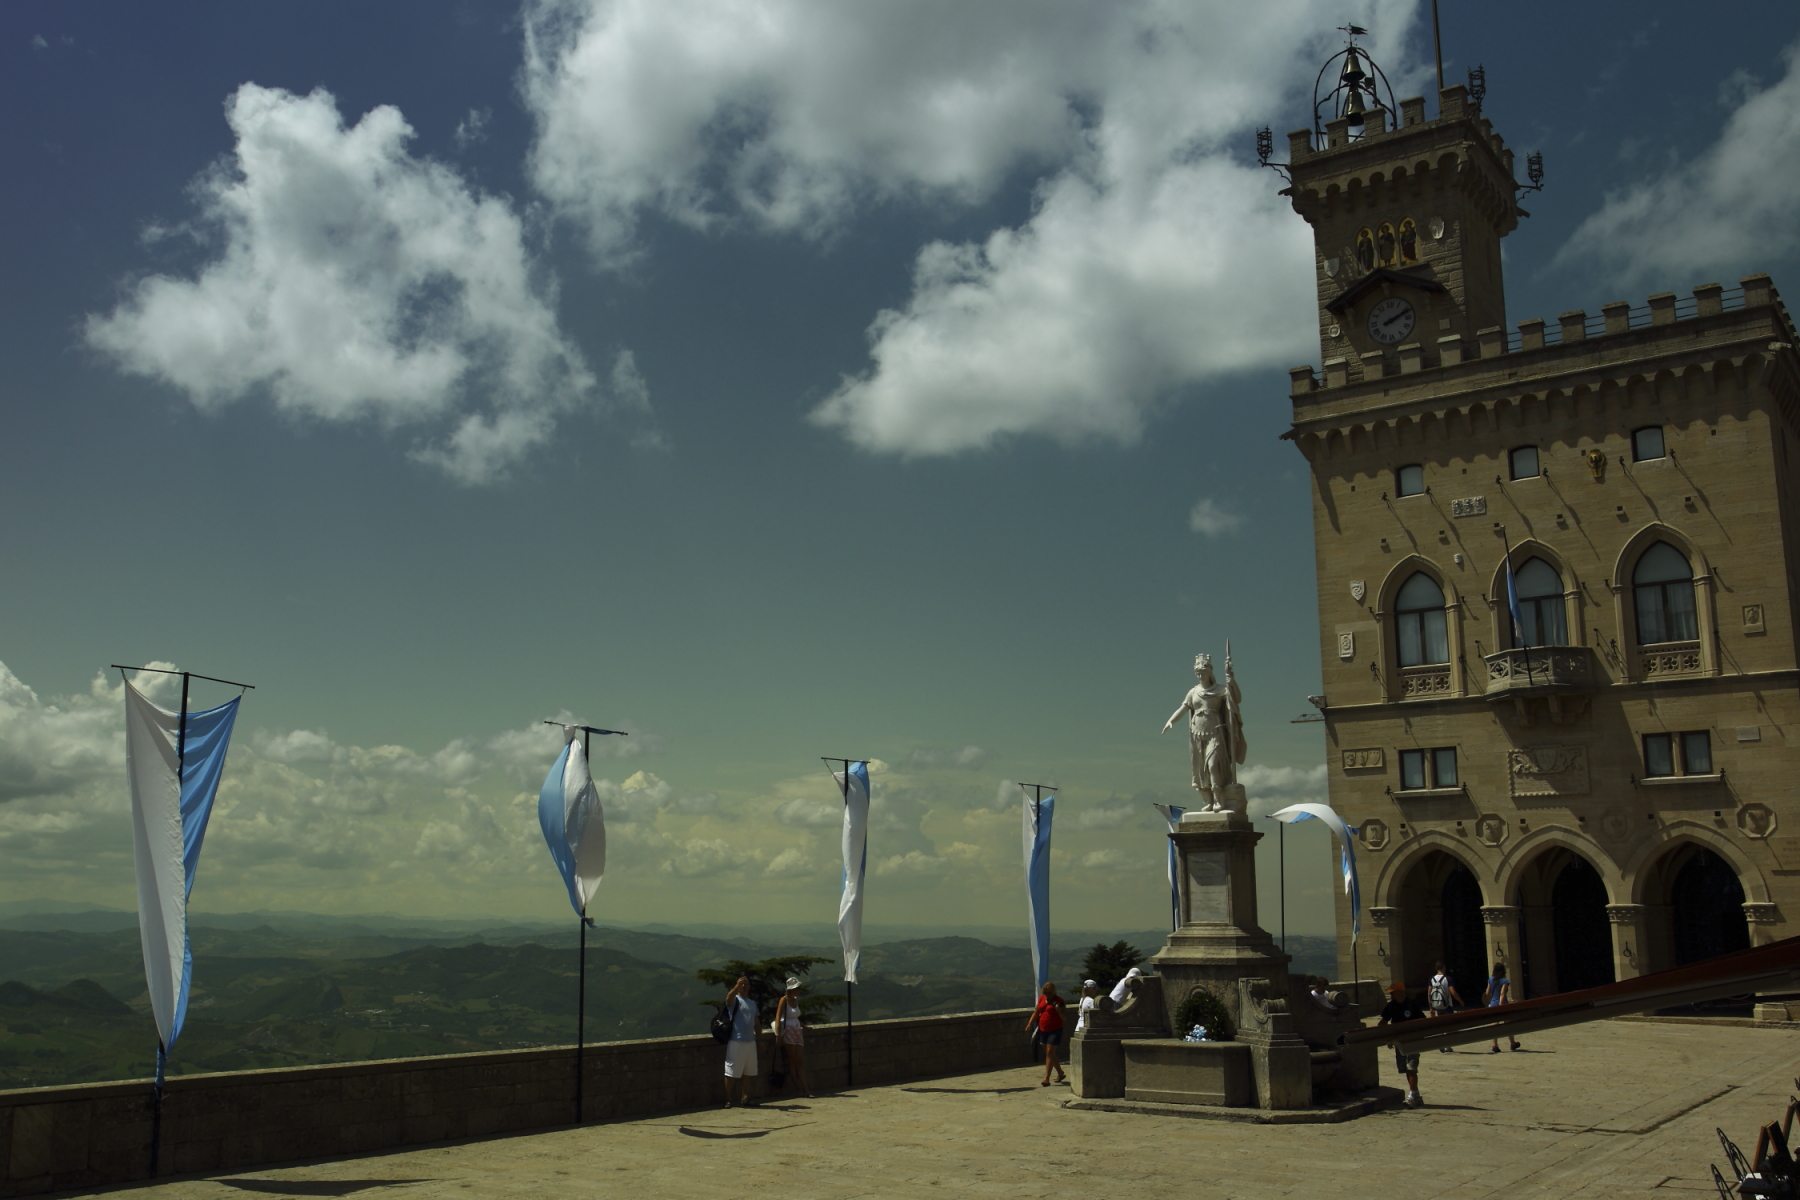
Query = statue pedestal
x=1219 y=941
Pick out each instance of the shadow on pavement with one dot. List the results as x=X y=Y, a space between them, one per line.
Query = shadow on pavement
x=313 y=1187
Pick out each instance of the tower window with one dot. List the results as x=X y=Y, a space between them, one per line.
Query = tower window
x=1542 y=621
x=1420 y=627
x=1524 y=462
x=1668 y=754
x=1424 y=769
x=1409 y=480
x=1663 y=589
x=1647 y=443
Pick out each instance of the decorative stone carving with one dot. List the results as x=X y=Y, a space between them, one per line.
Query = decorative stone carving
x=1215 y=734
x=1757 y=820
x=1384 y=916
x=1753 y=618
x=1490 y=830
x=1424 y=683
x=1370 y=759
x=1469 y=506
x=1498 y=914
x=1373 y=834
x=1346 y=646
x=1624 y=914
x=1759 y=912
x=1670 y=658
x=1548 y=770
x=1358 y=589
x=1615 y=824
x=1541 y=668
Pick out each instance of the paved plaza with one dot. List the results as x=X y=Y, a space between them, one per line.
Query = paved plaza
x=1612 y=1109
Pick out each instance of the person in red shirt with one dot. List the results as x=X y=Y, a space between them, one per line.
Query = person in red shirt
x=1047 y=1022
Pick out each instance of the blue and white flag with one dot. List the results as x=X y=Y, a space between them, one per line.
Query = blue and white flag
x=173 y=762
x=1512 y=606
x=1037 y=882
x=1345 y=835
x=855 y=785
x=1172 y=814
x=574 y=826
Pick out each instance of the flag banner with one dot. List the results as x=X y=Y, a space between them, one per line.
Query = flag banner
x=1345 y=835
x=855 y=785
x=573 y=822
x=1172 y=814
x=1037 y=882
x=1512 y=607
x=174 y=776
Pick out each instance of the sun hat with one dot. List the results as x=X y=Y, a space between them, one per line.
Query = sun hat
x=1087 y=983
x=792 y=982
x=1396 y=987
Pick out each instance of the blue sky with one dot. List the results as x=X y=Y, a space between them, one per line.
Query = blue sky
x=770 y=380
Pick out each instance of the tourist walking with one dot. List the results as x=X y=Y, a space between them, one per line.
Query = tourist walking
x=1402 y=1008
x=1499 y=991
x=790 y=1035
x=740 y=1051
x=1444 y=999
x=1047 y=1022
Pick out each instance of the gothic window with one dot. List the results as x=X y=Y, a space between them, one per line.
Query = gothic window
x=1542 y=621
x=1409 y=480
x=1384 y=245
x=1365 y=250
x=1422 y=632
x=1523 y=462
x=1663 y=587
x=1647 y=443
x=1409 y=241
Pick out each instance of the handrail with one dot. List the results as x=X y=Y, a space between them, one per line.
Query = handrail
x=1758 y=968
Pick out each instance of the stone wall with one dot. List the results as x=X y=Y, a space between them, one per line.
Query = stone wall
x=96 y=1135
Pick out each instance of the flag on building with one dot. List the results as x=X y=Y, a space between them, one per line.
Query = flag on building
x=1037 y=882
x=854 y=783
x=173 y=761
x=574 y=825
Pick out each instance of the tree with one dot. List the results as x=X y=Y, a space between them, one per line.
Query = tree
x=1106 y=965
x=768 y=980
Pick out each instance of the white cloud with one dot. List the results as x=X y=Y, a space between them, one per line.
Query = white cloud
x=1731 y=206
x=809 y=814
x=708 y=856
x=1271 y=788
x=913 y=862
x=1209 y=519
x=1126 y=283
x=472 y=129
x=356 y=282
x=933 y=758
x=1105 y=860
x=790 y=862
x=1110 y=816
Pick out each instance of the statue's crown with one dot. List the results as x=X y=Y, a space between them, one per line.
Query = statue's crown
x=1202 y=660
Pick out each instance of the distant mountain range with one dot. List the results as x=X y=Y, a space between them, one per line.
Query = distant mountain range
x=297 y=989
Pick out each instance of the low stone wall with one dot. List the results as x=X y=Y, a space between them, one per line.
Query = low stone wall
x=97 y=1134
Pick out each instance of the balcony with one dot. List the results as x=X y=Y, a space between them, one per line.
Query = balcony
x=1562 y=677
x=1664 y=659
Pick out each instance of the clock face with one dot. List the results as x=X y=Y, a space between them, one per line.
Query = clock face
x=1391 y=321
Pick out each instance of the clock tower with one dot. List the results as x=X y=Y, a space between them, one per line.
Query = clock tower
x=1407 y=215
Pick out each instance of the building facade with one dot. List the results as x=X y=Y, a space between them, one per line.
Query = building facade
x=1557 y=577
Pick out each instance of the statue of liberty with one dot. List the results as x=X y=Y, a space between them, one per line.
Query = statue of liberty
x=1215 y=734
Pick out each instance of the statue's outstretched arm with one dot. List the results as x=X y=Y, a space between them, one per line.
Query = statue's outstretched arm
x=1184 y=710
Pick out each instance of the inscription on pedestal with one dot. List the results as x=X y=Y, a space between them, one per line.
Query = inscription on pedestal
x=1208 y=886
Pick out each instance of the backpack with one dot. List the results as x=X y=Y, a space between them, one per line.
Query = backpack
x=722 y=1022
x=1440 y=991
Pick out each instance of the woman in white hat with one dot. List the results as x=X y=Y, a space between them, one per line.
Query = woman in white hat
x=1090 y=1000
x=790 y=1034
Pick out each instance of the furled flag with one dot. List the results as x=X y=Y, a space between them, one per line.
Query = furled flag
x=1345 y=834
x=173 y=761
x=1172 y=814
x=574 y=825
x=1512 y=605
x=1037 y=881
x=854 y=782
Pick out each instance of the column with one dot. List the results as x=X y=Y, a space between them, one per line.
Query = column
x=1628 y=939
x=1502 y=921
x=1388 y=957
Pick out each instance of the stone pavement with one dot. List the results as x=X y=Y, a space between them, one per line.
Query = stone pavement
x=1611 y=1109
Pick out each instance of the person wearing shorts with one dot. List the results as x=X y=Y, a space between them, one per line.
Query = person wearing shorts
x=1400 y=1008
x=740 y=1051
x=1047 y=1020
x=790 y=1034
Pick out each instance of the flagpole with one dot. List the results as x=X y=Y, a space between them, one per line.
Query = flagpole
x=162 y=1052
x=1281 y=858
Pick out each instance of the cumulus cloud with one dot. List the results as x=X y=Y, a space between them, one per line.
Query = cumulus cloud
x=355 y=282
x=913 y=862
x=50 y=748
x=1732 y=204
x=1272 y=788
x=934 y=758
x=1110 y=816
x=790 y=862
x=1124 y=284
x=708 y=856
x=1211 y=519
x=1105 y=860
x=809 y=814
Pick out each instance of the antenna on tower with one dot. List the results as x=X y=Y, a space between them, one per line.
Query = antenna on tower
x=1477 y=87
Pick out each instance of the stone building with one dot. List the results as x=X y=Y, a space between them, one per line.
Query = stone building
x=1604 y=786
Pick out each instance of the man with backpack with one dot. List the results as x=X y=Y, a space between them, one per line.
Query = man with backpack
x=739 y=1016
x=1443 y=999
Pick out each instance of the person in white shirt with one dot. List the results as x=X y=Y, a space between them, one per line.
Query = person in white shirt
x=1124 y=987
x=1443 y=999
x=1089 y=1002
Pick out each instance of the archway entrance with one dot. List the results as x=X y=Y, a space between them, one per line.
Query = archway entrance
x=1440 y=903
x=1694 y=908
x=1565 y=937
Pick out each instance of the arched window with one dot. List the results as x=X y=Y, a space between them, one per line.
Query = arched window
x=1663 y=585
x=1419 y=622
x=1541 y=617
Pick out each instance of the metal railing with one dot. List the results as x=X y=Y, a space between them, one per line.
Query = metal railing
x=1641 y=317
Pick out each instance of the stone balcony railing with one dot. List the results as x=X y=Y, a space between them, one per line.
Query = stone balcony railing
x=1669 y=658
x=1425 y=683
x=1542 y=669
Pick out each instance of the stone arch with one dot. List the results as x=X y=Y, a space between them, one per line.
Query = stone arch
x=1561 y=890
x=1673 y=930
x=1398 y=865
x=1514 y=862
x=1680 y=831
x=1433 y=894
